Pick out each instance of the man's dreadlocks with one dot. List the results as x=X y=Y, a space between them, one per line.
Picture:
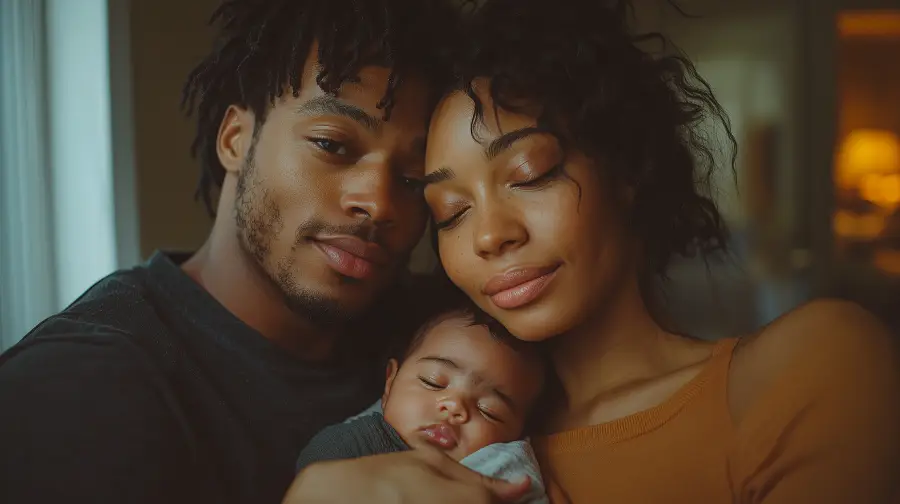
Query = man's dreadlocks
x=262 y=46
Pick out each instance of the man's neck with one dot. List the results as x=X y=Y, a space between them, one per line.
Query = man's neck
x=228 y=273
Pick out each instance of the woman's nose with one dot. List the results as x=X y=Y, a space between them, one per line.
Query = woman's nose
x=497 y=233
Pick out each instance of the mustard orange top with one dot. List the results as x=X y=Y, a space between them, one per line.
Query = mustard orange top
x=795 y=446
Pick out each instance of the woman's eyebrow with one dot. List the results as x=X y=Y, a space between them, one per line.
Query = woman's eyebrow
x=506 y=140
x=440 y=175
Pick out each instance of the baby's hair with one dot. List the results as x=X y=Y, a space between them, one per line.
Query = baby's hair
x=438 y=301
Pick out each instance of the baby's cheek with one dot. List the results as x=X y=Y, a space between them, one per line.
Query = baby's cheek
x=401 y=422
x=489 y=434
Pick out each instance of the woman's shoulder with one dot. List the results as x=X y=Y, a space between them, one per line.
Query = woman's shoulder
x=819 y=345
x=815 y=397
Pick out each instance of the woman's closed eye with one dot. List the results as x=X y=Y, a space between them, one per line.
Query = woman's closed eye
x=450 y=222
x=541 y=180
x=457 y=211
x=534 y=182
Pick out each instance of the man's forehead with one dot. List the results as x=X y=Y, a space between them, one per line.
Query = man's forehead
x=367 y=89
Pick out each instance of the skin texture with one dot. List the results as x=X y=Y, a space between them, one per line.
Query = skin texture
x=462 y=377
x=317 y=168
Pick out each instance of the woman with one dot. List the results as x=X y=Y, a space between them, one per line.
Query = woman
x=562 y=178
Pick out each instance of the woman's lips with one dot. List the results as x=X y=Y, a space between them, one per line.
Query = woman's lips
x=520 y=286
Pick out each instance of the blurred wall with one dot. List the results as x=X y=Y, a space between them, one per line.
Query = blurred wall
x=168 y=37
x=869 y=102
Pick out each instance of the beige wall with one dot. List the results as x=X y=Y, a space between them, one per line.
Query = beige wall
x=168 y=38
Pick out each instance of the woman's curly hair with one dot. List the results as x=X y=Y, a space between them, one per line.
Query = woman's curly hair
x=642 y=114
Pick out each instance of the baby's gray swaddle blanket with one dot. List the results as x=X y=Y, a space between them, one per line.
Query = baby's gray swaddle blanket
x=507 y=461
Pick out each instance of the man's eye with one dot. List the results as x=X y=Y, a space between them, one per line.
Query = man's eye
x=329 y=146
x=413 y=184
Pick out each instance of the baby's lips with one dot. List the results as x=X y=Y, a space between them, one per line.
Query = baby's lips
x=441 y=435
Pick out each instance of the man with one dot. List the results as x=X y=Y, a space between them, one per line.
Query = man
x=199 y=379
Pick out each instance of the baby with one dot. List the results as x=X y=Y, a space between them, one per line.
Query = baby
x=465 y=386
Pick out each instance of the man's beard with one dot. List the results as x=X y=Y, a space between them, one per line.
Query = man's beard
x=259 y=222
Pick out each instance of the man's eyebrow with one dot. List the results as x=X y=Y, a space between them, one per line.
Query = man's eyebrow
x=331 y=105
x=441 y=360
x=506 y=140
x=439 y=175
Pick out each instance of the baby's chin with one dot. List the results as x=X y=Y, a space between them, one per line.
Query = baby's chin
x=417 y=439
x=461 y=452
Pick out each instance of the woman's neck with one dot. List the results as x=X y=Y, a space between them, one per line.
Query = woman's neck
x=620 y=348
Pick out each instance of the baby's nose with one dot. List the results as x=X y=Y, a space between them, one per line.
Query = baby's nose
x=454 y=410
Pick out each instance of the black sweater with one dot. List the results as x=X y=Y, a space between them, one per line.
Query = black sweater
x=147 y=390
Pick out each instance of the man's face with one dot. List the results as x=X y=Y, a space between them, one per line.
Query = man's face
x=328 y=200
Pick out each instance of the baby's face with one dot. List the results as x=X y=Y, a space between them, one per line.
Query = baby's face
x=462 y=390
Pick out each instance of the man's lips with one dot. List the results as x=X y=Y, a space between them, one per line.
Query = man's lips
x=441 y=435
x=352 y=256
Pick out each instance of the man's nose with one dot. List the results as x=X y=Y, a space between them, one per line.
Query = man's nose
x=368 y=195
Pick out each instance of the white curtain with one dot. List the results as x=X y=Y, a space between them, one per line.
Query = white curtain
x=27 y=269
x=68 y=213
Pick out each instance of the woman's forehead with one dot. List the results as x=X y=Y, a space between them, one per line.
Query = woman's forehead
x=456 y=132
x=457 y=111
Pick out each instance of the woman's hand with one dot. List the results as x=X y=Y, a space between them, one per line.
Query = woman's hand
x=410 y=477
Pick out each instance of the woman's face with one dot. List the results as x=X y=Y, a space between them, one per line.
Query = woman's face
x=530 y=233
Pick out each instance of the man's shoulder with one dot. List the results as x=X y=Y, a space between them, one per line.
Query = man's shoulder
x=116 y=314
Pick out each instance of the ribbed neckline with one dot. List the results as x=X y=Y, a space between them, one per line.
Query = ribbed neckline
x=642 y=422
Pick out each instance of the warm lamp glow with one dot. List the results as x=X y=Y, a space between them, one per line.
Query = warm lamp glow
x=883 y=190
x=879 y=23
x=869 y=160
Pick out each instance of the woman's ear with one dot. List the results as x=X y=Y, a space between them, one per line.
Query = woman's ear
x=392 y=368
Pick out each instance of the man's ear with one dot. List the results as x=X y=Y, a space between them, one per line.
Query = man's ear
x=392 y=368
x=234 y=138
